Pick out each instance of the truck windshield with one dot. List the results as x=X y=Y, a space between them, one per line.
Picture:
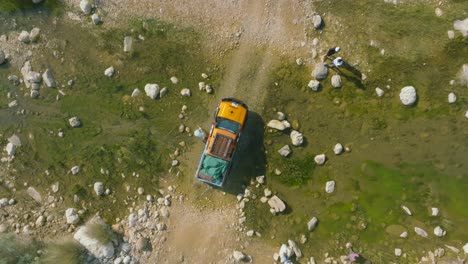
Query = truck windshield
x=228 y=125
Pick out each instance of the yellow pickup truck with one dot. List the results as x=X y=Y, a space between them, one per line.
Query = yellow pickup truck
x=216 y=160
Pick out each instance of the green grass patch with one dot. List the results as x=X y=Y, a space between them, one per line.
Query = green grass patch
x=66 y=252
x=14 y=249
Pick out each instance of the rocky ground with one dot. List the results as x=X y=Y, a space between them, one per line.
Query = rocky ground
x=174 y=226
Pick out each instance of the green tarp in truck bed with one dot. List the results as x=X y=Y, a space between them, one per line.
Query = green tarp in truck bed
x=214 y=167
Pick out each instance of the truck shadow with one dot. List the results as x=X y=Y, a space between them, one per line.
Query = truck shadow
x=250 y=159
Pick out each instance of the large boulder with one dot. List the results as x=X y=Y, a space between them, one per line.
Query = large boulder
x=408 y=95
x=152 y=90
x=49 y=79
x=276 y=204
x=93 y=245
x=320 y=71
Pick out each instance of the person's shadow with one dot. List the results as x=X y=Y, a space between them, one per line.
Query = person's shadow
x=250 y=159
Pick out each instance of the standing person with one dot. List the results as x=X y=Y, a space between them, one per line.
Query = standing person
x=330 y=52
x=338 y=62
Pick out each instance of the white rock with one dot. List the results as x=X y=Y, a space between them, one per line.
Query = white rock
x=466 y=114
x=185 y=92
x=75 y=169
x=439 y=252
x=49 y=79
x=163 y=92
x=74 y=122
x=3 y=202
x=94 y=246
x=24 y=37
x=406 y=209
x=434 y=211
x=40 y=221
x=296 y=138
x=208 y=89
x=320 y=71
x=420 y=232
x=299 y=61
x=201 y=86
x=204 y=75
x=438 y=12
x=454 y=249
x=320 y=159
x=174 y=163
x=317 y=21
x=10 y=149
x=128 y=43
x=404 y=234
x=140 y=190
x=267 y=192
x=109 y=71
x=462 y=26
x=281 y=116
x=72 y=216
x=152 y=90
x=136 y=92
x=31 y=191
x=127 y=260
x=398 y=252
x=314 y=85
x=452 y=98
x=263 y=199
x=408 y=95
x=295 y=248
x=132 y=219
x=174 y=80
x=96 y=19
x=465 y=248
x=85 y=7
x=276 y=124
x=99 y=188
x=286 y=124
x=276 y=204
x=338 y=149
x=451 y=34
x=312 y=224
x=250 y=233
x=330 y=186
x=336 y=81
x=438 y=231
x=13 y=103
x=34 y=35
x=238 y=256
x=260 y=179
x=379 y=92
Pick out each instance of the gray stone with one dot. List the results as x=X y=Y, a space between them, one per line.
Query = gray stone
x=99 y=188
x=33 y=77
x=132 y=219
x=336 y=81
x=267 y=192
x=34 y=94
x=420 y=232
x=109 y=72
x=74 y=121
x=163 y=92
x=438 y=12
x=136 y=92
x=317 y=21
x=312 y=224
x=40 y=221
x=320 y=71
x=13 y=103
x=277 y=204
x=96 y=19
x=463 y=75
x=71 y=216
x=330 y=186
x=239 y=256
x=10 y=149
x=434 y=211
x=281 y=116
x=24 y=37
x=25 y=71
x=34 y=35
x=128 y=44
x=164 y=212
x=314 y=85
x=143 y=244
x=3 y=228
x=296 y=138
x=295 y=248
x=85 y=7
x=34 y=194
x=49 y=79
x=451 y=34
x=408 y=95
